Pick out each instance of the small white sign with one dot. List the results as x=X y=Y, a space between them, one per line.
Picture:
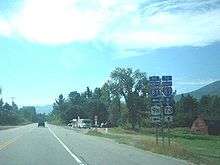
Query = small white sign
x=155 y=110
x=168 y=110
x=96 y=120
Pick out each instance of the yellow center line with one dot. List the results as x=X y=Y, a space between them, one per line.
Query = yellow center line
x=7 y=143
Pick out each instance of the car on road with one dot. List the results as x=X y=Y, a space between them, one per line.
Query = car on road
x=41 y=124
x=70 y=124
x=84 y=123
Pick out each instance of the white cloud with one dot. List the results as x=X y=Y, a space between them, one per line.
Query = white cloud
x=127 y=24
x=166 y=29
x=5 y=28
x=56 y=21
x=63 y=21
x=150 y=39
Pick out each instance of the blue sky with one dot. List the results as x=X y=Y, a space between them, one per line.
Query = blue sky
x=48 y=47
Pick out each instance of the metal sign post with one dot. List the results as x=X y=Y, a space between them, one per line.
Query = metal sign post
x=157 y=136
x=155 y=94
x=167 y=102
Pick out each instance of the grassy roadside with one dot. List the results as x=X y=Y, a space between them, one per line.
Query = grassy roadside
x=199 y=149
x=7 y=127
x=4 y=127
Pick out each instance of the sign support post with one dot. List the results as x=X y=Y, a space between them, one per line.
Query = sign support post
x=169 y=134
x=156 y=129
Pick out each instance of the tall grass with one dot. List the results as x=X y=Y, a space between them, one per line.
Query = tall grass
x=200 y=149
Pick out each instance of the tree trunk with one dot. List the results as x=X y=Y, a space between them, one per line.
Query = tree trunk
x=133 y=117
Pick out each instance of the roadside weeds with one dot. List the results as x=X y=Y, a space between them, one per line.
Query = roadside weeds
x=147 y=142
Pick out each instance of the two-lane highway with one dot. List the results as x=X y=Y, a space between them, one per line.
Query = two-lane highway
x=53 y=145
x=33 y=146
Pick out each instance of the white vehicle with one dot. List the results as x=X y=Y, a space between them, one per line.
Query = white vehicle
x=80 y=123
x=84 y=123
x=70 y=124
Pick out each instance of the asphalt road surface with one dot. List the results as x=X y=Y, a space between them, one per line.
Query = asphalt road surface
x=53 y=145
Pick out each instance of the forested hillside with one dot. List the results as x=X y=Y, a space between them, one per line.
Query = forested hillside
x=210 y=89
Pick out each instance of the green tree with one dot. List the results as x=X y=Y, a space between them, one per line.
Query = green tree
x=186 y=111
x=75 y=107
x=1 y=111
x=205 y=104
x=88 y=93
x=98 y=108
x=59 y=110
x=129 y=84
x=215 y=109
x=115 y=111
x=29 y=113
x=74 y=97
x=106 y=95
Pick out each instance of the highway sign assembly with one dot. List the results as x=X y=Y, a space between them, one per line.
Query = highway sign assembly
x=168 y=98
x=161 y=95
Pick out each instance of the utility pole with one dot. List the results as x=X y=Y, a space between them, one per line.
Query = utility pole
x=12 y=99
x=0 y=92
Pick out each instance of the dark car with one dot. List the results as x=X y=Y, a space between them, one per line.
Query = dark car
x=41 y=124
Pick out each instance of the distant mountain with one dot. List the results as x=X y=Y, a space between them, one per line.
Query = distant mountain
x=210 y=89
x=44 y=109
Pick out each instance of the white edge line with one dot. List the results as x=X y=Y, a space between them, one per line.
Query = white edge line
x=66 y=148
